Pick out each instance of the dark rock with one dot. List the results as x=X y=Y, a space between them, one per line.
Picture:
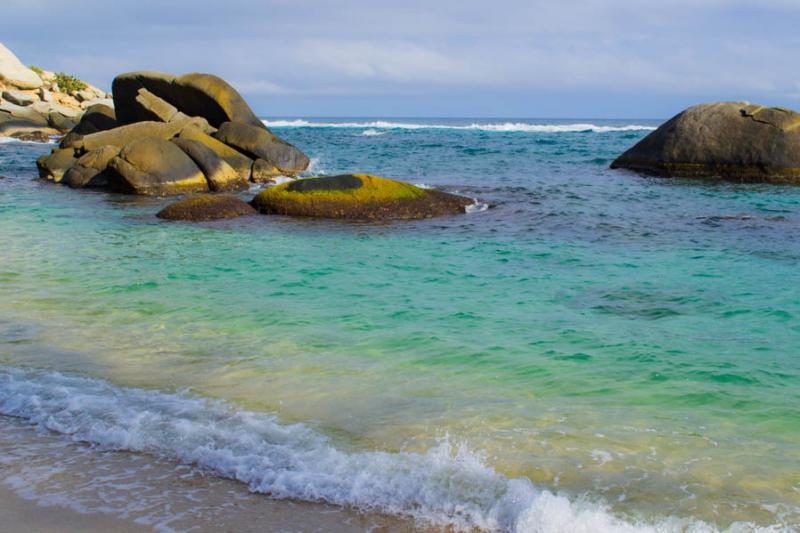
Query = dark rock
x=96 y=118
x=220 y=175
x=357 y=197
x=728 y=141
x=91 y=169
x=260 y=143
x=202 y=95
x=60 y=122
x=155 y=166
x=207 y=207
x=53 y=166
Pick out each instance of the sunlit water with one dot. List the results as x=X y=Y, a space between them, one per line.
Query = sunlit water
x=627 y=341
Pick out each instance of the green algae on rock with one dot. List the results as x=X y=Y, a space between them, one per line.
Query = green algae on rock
x=729 y=141
x=207 y=207
x=357 y=197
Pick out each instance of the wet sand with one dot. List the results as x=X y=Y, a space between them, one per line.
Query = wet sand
x=51 y=484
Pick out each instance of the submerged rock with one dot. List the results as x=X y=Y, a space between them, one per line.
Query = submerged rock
x=207 y=207
x=357 y=197
x=728 y=141
x=156 y=167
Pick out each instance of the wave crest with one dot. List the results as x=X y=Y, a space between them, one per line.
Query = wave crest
x=447 y=486
x=495 y=127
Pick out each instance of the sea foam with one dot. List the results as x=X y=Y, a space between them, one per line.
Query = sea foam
x=374 y=126
x=447 y=486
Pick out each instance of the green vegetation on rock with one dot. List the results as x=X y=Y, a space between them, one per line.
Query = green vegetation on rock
x=357 y=197
x=68 y=83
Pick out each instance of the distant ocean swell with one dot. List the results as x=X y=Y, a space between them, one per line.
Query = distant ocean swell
x=374 y=126
x=446 y=486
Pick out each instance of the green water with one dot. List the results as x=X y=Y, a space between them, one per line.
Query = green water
x=628 y=339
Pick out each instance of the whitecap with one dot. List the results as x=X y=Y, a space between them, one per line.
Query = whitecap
x=522 y=127
x=373 y=132
x=447 y=486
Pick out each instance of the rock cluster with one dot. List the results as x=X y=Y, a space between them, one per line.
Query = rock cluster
x=732 y=141
x=171 y=135
x=32 y=104
x=160 y=134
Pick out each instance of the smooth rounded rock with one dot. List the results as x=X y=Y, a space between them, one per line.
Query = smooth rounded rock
x=357 y=197
x=195 y=94
x=220 y=175
x=207 y=207
x=154 y=166
x=13 y=72
x=729 y=141
x=260 y=143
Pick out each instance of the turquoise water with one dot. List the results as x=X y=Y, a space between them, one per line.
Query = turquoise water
x=609 y=337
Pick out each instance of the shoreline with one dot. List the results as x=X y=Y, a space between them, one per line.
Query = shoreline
x=48 y=483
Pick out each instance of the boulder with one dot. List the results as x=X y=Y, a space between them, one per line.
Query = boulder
x=96 y=118
x=13 y=72
x=91 y=169
x=357 y=197
x=220 y=175
x=264 y=172
x=28 y=113
x=260 y=143
x=108 y=102
x=123 y=135
x=240 y=163
x=54 y=165
x=19 y=97
x=154 y=107
x=207 y=207
x=26 y=130
x=45 y=108
x=729 y=141
x=60 y=122
x=202 y=95
x=45 y=95
x=155 y=166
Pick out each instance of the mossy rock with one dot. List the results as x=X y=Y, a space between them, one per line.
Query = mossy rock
x=357 y=197
x=207 y=207
x=732 y=141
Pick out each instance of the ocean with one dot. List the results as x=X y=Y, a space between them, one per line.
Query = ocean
x=585 y=350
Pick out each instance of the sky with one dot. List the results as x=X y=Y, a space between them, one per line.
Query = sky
x=445 y=58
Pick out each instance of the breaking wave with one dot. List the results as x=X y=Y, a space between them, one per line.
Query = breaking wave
x=448 y=485
x=498 y=127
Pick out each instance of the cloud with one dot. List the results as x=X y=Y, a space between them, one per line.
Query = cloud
x=285 y=48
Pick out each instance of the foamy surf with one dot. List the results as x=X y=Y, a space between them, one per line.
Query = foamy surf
x=524 y=127
x=446 y=486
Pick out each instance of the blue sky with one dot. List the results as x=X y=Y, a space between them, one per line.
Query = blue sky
x=489 y=58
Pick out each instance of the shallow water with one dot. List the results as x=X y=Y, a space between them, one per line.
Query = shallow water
x=624 y=340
